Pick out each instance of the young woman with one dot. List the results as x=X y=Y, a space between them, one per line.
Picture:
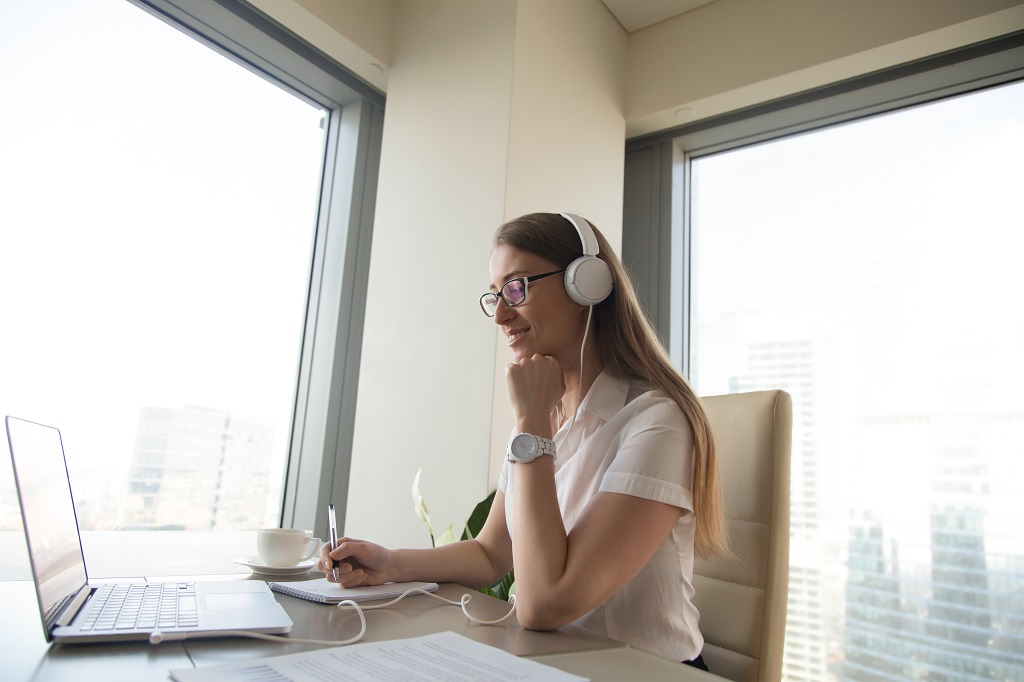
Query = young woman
x=610 y=485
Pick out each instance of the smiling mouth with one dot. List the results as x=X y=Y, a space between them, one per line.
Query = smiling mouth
x=515 y=335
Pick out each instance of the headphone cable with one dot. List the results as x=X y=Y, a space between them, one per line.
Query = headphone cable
x=579 y=386
x=158 y=636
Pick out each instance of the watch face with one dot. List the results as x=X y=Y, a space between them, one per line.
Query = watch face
x=524 y=445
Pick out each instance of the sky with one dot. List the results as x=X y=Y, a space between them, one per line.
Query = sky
x=893 y=244
x=158 y=213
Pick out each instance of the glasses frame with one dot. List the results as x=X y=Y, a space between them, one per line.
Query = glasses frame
x=490 y=295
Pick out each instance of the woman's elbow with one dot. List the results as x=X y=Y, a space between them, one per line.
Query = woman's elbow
x=535 y=614
x=530 y=622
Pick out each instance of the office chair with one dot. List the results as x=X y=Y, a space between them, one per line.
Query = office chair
x=742 y=602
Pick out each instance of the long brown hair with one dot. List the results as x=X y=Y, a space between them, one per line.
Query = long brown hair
x=630 y=347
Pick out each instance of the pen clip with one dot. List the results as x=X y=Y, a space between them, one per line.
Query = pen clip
x=332 y=526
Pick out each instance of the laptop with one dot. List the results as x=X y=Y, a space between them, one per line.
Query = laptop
x=72 y=611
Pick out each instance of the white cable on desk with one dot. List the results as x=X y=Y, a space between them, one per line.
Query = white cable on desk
x=157 y=637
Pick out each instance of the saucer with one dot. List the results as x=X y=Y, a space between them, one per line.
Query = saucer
x=253 y=562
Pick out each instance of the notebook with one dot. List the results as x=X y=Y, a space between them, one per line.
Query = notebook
x=331 y=593
x=70 y=608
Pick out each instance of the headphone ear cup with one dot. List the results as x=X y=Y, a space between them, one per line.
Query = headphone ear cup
x=588 y=280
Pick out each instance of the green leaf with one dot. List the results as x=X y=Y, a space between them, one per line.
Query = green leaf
x=506 y=586
x=502 y=589
x=477 y=518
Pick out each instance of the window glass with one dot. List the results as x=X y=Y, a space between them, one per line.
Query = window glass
x=872 y=270
x=157 y=225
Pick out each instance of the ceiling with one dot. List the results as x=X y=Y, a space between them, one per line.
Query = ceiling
x=637 y=14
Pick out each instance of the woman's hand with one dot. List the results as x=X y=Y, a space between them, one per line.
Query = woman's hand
x=535 y=385
x=357 y=563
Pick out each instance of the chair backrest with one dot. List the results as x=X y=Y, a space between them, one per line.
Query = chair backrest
x=742 y=602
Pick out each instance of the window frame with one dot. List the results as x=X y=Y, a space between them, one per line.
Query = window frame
x=320 y=444
x=658 y=171
x=656 y=241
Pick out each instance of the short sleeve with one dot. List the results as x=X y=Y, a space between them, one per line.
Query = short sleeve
x=654 y=459
x=503 y=477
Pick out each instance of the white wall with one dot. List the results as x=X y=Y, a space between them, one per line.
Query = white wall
x=494 y=109
x=720 y=57
x=356 y=33
x=428 y=352
x=731 y=54
x=566 y=137
x=368 y=24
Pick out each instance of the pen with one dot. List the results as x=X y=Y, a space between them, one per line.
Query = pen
x=333 y=526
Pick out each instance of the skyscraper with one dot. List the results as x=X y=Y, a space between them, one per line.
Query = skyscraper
x=792 y=364
x=197 y=469
x=873 y=606
x=945 y=615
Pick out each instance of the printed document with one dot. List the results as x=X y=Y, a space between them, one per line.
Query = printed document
x=442 y=657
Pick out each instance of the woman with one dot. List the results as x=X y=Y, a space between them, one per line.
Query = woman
x=603 y=532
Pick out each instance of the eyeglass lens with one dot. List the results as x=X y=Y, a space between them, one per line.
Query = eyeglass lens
x=514 y=291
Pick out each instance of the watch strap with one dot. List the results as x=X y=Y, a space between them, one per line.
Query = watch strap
x=545 y=446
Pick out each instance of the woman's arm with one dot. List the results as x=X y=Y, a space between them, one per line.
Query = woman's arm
x=474 y=563
x=560 y=576
x=479 y=562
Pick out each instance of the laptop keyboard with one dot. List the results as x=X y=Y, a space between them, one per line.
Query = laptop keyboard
x=142 y=606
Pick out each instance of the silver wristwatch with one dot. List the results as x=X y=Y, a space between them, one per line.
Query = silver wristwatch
x=526 y=447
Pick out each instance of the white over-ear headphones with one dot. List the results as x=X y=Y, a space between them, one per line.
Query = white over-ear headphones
x=588 y=279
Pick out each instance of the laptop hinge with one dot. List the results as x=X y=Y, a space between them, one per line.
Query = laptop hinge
x=72 y=609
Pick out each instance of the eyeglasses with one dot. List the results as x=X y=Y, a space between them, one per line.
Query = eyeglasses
x=513 y=292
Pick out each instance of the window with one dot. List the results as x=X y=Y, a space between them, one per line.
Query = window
x=165 y=221
x=871 y=270
x=858 y=248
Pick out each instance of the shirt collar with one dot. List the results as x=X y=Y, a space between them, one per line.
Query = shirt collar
x=607 y=396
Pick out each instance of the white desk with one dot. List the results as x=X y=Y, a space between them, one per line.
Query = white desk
x=26 y=655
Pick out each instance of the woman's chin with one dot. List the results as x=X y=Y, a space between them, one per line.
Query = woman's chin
x=518 y=348
x=521 y=352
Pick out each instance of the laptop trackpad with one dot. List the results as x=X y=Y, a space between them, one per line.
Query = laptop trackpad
x=235 y=601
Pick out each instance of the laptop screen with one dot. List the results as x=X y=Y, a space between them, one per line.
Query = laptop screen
x=51 y=527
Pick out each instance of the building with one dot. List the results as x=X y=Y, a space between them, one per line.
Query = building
x=795 y=366
x=931 y=603
x=197 y=469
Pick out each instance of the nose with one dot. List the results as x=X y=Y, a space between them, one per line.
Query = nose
x=503 y=312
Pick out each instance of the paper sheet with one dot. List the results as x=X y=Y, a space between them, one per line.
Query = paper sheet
x=442 y=657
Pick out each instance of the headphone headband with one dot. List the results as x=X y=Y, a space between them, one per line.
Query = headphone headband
x=587 y=237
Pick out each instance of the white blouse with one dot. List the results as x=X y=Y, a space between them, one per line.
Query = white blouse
x=631 y=440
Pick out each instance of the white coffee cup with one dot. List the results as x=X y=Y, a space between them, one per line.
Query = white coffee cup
x=284 y=547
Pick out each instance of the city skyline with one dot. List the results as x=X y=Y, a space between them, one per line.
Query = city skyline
x=909 y=428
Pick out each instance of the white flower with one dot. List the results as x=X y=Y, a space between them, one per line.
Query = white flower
x=418 y=504
x=447 y=537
